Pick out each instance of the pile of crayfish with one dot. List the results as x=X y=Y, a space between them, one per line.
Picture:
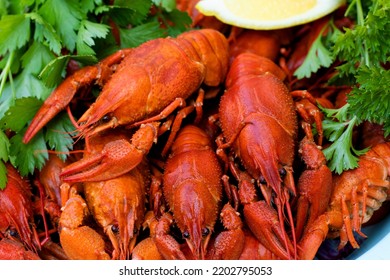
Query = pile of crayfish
x=197 y=147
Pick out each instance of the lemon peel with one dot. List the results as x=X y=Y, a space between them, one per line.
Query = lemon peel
x=267 y=14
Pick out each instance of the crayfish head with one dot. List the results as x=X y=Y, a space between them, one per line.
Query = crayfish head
x=92 y=127
x=195 y=215
x=119 y=102
x=123 y=235
x=16 y=210
x=118 y=207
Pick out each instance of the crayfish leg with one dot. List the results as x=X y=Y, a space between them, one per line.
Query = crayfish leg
x=168 y=247
x=229 y=244
x=79 y=241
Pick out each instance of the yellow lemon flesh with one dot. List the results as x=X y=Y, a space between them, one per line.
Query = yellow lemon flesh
x=267 y=14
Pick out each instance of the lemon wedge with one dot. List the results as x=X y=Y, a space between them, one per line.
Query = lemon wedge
x=267 y=14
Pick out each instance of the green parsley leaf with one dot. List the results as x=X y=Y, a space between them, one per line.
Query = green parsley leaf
x=4 y=153
x=45 y=33
x=87 y=6
x=367 y=42
x=362 y=51
x=368 y=101
x=168 y=5
x=340 y=114
x=103 y=9
x=57 y=135
x=36 y=57
x=134 y=37
x=65 y=17
x=181 y=19
x=27 y=157
x=14 y=32
x=134 y=12
x=3 y=8
x=53 y=72
x=89 y=30
x=317 y=57
x=4 y=146
x=20 y=113
x=28 y=85
x=3 y=176
x=341 y=154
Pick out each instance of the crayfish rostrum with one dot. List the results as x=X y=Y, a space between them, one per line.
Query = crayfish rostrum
x=243 y=178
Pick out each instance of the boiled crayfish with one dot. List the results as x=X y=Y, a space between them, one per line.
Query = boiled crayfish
x=113 y=207
x=192 y=187
x=13 y=250
x=259 y=122
x=314 y=186
x=140 y=85
x=22 y=214
x=116 y=205
x=16 y=211
x=356 y=195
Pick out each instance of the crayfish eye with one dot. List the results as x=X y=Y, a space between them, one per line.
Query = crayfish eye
x=205 y=232
x=135 y=231
x=262 y=180
x=106 y=118
x=13 y=233
x=115 y=229
x=282 y=172
x=186 y=234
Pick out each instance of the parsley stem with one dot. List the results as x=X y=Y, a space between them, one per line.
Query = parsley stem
x=360 y=21
x=6 y=71
x=359 y=9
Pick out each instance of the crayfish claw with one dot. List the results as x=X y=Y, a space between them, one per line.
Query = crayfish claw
x=115 y=159
x=264 y=223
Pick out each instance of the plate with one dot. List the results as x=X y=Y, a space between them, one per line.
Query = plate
x=377 y=244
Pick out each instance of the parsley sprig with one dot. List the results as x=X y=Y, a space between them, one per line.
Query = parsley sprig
x=318 y=56
x=338 y=128
x=362 y=51
x=37 y=40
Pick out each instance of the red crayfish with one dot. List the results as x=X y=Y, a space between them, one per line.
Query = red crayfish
x=281 y=200
x=140 y=85
x=192 y=188
x=356 y=195
x=117 y=207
